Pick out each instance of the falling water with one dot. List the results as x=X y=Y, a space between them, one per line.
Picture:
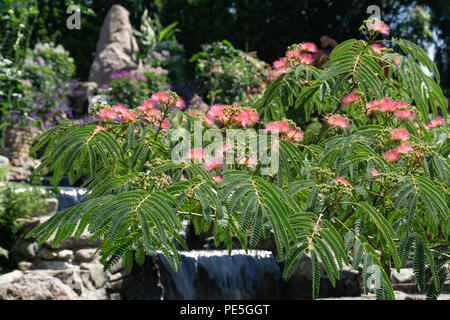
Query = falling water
x=68 y=197
x=216 y=274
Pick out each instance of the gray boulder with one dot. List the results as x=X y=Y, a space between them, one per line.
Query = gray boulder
x=36 y=287
x=116 y=48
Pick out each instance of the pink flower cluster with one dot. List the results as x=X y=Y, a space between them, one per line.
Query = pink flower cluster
x=149 y=112
x=343 y=180
x=394 y=154
x=403 y=136
x=98 y=128
x=216 y=161
x=349 y=98
x=399 y=134
x=337 y=121
x=117 y=112
x=242 y=117
x=163 y=97
x=377 y=47
x=435 y=123
x=286 y=130
x=386 y=105
x=299 y=55
x=380 y=27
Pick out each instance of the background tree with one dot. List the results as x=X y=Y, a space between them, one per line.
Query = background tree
x=265 y=26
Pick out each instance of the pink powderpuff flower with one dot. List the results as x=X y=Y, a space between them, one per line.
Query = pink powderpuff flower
x=386 y=105
x=280 y=126
x=153 y=113
x=308 y=47
x=160 y=97
x=212 y=164
x=280 y=63
x=196 y=154
x=373 y=106
x=129 y=116
x=435 y=123
x=374 y=173
x=419 y=131
x=216 y=112
x=396 y=60
x=107 y=114
x=380 y=27
x=180 y=104
x=294 y=135
x=337 y=121
x=403 y=148
x=377 y=47
x=349 y=98
x=98 y=128
x=247 y=117
x=147 y=105
x=164 y=125
x=400 y=134
x=404 y=114
x=399 y=104
x=217 y=179
x=293 y=54
x=306 y=59
x=119 y=108
x=207 y=119
x=391 y=155
x=342 y=179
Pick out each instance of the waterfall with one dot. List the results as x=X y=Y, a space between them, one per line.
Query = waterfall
x=68 y=196
x=216 y=274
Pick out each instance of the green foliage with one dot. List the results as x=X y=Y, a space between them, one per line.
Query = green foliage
x=353 y=65
x=57 y=59
x=16 y=201
x=126 y=88
x=228 y=75
x=158 y=47
x=157 y=79
x=358 y=196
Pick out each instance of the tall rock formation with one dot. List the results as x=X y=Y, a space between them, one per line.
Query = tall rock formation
x=116 y=48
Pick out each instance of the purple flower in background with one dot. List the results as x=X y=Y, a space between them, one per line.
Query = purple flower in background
x=140 y=78
x=169 y=87
x=69 y=112
x=40 y=60
x=120 y=95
